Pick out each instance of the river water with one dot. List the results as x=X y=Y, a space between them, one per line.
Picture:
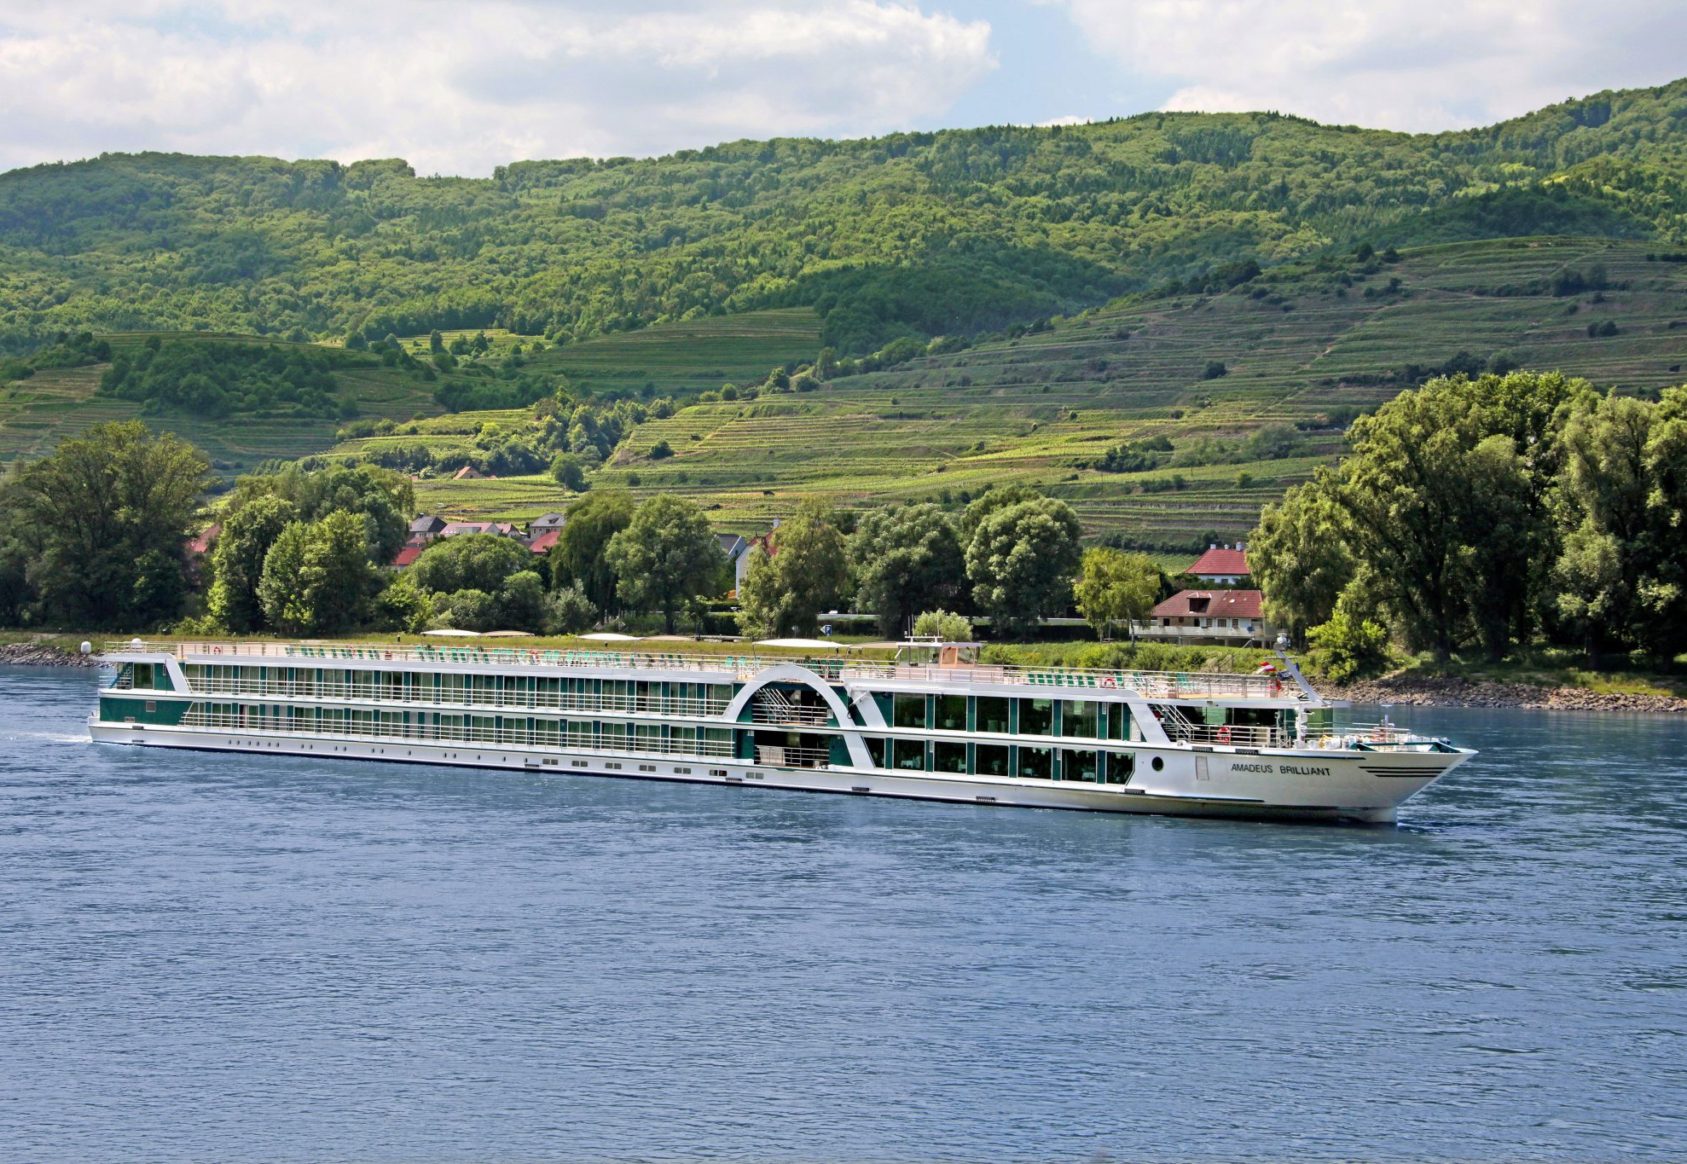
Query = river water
x=217 y=957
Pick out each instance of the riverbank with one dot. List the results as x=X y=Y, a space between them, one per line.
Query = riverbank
x=43 y=654
x=1457 y=691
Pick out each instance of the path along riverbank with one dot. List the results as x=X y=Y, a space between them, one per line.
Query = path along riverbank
x=1412 y=691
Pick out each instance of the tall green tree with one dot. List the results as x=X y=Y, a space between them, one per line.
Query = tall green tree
x=1115 y=587
x=666 y=558
x=469 y=562
x=1021 y=563
x=785 y=593
x=1431 y=477
x=1301 y=555
x=580 y=556
x=102 y=519
x=237 y=561
x=317 y=576
x=906 y=559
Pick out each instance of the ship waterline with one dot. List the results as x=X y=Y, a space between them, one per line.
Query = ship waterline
x=939 y=728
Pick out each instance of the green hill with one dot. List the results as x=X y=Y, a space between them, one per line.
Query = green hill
x=1237 y=284
x=926 y=233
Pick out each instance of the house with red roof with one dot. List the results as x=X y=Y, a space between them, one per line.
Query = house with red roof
x=406 y=556
x=1222 y=565
x=543 y=543
x=1236 y=616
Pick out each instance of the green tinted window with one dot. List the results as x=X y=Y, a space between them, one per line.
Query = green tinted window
x=1078 y=765
x=1078 y=718
x=947 y=756
x=910 y=711
x=992 y=713
x=911 y=754
x=990 y=759
x=1035 y=763
x=952 y=713
x=1035 y=717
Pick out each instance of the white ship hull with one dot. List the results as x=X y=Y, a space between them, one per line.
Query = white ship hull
x=1312 y=784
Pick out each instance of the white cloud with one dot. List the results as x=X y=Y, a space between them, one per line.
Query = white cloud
x=458 y=88
x=1387 y=63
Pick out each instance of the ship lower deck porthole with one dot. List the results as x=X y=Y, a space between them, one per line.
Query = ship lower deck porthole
x=1157 y=763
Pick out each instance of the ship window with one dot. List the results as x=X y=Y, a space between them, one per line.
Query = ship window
x=1078 y=718
x=1036 y=717
x=992 y=713
x=1119 y=721
x=990 y=759
x=948 y=756
x=910 y=711
x=876 y=750
x=910 y=754
x=1078 y=765
x=1119 y=766
x=1034 y=763
x=952 y=713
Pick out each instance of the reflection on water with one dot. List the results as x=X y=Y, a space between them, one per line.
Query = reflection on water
x=211 y=956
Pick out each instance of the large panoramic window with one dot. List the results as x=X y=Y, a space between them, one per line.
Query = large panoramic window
x=1035 y=763
x=910 y=711
x=948 y=756
x=992 y=714
x=1078 y=765
x=990 y=759
x=1119 y=767
x=1078 y=718
x=1036 y=717
x=952 y=713
x=910 y=754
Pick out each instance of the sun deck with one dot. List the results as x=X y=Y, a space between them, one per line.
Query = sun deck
x=1184 y=685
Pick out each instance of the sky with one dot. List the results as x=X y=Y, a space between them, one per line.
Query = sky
x=460 y=86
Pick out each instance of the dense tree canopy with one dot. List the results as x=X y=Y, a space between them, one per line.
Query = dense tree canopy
x=1021 y=561
x=99 y=528
x=1488 y=512
x=906 y=559
x=666 y=558
x=785 y=593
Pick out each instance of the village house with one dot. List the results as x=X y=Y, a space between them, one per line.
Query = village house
x=1225 y=616
x=1222 y=565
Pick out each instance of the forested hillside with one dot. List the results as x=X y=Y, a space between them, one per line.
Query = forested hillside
x=916 y=234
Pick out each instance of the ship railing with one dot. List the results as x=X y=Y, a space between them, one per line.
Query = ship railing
x=782 y=757
x=1181 y=730
x=463 y=734
x=742 y=668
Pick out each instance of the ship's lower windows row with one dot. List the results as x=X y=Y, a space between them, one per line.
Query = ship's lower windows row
x=1026 y=762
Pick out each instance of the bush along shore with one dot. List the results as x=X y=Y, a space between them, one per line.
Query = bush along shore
x=1457 y=691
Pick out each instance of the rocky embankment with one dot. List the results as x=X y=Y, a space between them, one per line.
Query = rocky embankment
x=1456 y=692
x=43 y=655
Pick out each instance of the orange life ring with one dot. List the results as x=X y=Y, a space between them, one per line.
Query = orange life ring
x=1223 y=734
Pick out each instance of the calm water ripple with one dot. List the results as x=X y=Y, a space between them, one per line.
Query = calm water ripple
x=225 y=958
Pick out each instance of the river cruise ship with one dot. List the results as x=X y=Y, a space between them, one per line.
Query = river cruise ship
x=935 y=724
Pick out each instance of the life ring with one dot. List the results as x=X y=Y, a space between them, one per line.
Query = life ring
x=1108 y=681
x=1223 y=734
x=216 y=650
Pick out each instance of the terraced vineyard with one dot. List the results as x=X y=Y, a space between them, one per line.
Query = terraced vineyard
x=37 y=413
x=1041 y=408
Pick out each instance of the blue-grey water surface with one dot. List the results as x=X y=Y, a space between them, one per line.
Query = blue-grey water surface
x=217 y=957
